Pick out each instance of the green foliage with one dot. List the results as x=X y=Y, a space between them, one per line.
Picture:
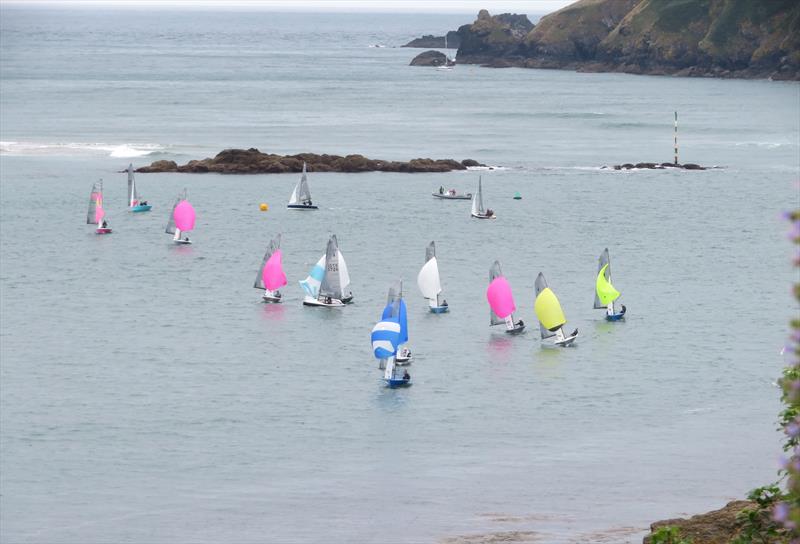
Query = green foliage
x=668 y=534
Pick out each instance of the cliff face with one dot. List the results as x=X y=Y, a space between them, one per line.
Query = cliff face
x=728 y=38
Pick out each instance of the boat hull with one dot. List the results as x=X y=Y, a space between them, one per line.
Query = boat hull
x=467 y=196
x=183 y=242
x=271 y=299
x=141 y=208
x=102 y=230
x=300 y=207
x=493 y=216
x=617 y=317
x=334 y=303
x=395 y=383
x=516 y=330
x=568 y=341
x=440 y=309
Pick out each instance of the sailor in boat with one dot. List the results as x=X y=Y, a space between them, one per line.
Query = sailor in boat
x=489 y=212
x=441 y=190
x=444 y=303
x=185 y=238
x=451 y=192
x=406 y=376
x=104 y=225
x=327 y=300
x=307 y=202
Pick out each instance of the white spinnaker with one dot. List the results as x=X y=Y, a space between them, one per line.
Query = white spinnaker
x=428 y=279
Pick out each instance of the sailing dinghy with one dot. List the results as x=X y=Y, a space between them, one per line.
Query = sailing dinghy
x=551 y=316
x=605 y=294
x=386 y=336
x=327 y=283
x=181 y=220
x=96 y=214
x=501 y=301
x=135 y=202
x=301 y=196
x=429 y=283
x=478 y=210
x=271 y=276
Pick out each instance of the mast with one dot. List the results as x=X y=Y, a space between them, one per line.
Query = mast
x=676 y=138
x=131 y=185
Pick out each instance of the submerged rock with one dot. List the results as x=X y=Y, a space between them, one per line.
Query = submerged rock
x=253 y=161
x=658 y=166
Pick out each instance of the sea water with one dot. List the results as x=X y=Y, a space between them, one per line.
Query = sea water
x=147 y=395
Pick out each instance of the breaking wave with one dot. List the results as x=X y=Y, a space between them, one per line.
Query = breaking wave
x=127 y=150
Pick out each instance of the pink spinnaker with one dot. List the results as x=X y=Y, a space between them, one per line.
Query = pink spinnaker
x=500 y=298
x=184 y=216
x=99 y=213
x=273 y=275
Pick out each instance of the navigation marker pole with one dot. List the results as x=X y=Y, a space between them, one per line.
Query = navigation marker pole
x=676 y=138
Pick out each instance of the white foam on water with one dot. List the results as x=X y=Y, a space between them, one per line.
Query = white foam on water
x=125 y=150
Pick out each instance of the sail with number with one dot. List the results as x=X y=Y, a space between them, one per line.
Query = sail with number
x=605 y=293
x=428 y=278
x=548 y=308
x=331 y=285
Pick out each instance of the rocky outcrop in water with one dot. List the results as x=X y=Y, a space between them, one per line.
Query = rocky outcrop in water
x=658 y=166
x=429 y=41
x=716 y=527
x=431 y=58
x=253 y=161
x=720 y=38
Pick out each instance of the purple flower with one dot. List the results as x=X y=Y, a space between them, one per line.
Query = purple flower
x=780 y=512
x=792 y=429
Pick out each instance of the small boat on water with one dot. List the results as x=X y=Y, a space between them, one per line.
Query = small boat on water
x=327 y=283
x=551 y=316
x=301 y=196
x=96 y=214
x=605 y=294
x=135 y=202
x=501 y=301
x=270 y=276
x=396 y=307
x=517 y=196
x=181 y=220
x=429 y=283
x=478 y=210
x=451 y=194
x=386 y=336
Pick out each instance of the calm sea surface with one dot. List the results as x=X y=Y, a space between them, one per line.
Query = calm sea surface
x=147 y=395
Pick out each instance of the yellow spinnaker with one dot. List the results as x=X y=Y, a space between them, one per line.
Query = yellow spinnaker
x=548 y=310
x=605 y=291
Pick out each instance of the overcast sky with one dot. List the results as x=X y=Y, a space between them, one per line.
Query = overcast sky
x=411 y=6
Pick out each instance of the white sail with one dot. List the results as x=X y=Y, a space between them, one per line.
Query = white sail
x=301 y=192
x=477 y=201
x=428 y=280
x=388 y=373
x=344 y=276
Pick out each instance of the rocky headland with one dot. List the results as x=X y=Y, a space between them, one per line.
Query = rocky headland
x=428 y=41
x=253 y=161
x=717 y=38
x=715 y=527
